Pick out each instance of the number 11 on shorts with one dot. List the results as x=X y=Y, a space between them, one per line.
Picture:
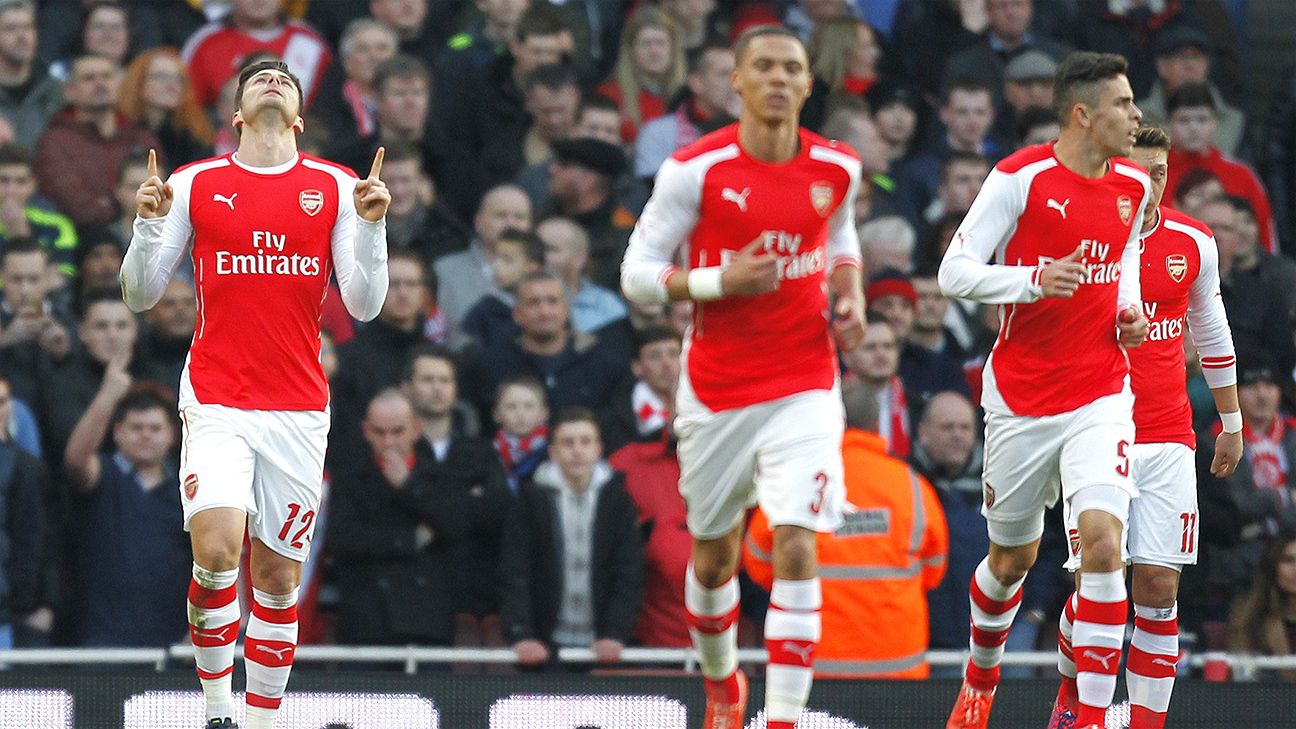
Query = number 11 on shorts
x=1188 y=543
x=306 y=520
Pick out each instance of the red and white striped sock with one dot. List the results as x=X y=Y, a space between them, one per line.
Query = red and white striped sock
x=213 y=629
x=268 y=654
x=1150 y=671
x=1099 y=633
x=1067 y=695
x=792 y=631
x=994 y=606
x=713 y=618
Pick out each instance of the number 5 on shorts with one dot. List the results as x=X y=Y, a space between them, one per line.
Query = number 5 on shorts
x=306 y=520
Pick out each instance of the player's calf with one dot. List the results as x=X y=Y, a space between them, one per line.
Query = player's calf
x=268 y=652
x=213 y=628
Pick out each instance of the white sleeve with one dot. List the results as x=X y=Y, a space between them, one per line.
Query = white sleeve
x=843 y=236
x=1208 y=324
x=156 y=246
x=359 y=255
x=964 y=272
x=667 y=221
x=1129 y=290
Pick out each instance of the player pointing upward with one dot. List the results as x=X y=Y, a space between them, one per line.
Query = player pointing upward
x=763 y=209
x=1061 y=223
x=266 y=227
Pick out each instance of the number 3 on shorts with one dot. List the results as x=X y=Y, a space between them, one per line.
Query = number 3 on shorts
x=816 y=505
x=306 y=520
x=1123 y=468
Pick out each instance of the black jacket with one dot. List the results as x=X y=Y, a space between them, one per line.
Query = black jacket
x=532 y=578
x=390 y=590
x=585 y=373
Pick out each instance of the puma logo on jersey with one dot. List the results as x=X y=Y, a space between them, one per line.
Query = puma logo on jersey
x=277 y=653
x=1059 y=206
x=804 y=651
x=227 y=200
x=737 y=198
x=1104 y=658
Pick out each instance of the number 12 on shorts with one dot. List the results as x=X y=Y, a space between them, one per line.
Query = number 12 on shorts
x=1188 y=542
x=306 y=520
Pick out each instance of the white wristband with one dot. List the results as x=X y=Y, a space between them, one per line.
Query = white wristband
x=704 y=283
x=1232 y=421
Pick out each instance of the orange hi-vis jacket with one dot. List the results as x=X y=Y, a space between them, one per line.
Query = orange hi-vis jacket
x=875 y=569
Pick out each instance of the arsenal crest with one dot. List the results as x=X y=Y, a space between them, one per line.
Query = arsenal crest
x=821 y=197
x=988 y=491
x=311 y=201
x=1125 y=207
x=1177 y=267
x=191 y=486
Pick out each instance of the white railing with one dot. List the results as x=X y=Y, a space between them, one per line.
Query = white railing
x=411 y=657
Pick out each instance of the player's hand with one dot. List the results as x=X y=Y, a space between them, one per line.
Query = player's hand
x=1061 y=278
x=607 y=650
x=394 y=466
x=371 y=195
x=1228 y=453
x=1133 y=326
x=24 y=328
x=531 y=652
x=751 y=272
x=848 y=324
x=116 y=380
x=153 y=198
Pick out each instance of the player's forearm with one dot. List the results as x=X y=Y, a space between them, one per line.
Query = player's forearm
x=964 y=278
x=364 y=287
x=847 y=282
x=1226 y=399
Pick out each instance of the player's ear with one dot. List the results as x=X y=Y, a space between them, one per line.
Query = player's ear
x=237 y=120
x=299 y=125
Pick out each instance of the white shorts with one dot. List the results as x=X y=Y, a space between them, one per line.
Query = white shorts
x=1163 y=527
x=1030 y=462
x=784 y=455
x=267 y=463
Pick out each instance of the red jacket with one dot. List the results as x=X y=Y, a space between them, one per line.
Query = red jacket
x=1237 y=178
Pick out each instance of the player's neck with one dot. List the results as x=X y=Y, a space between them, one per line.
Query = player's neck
x=772 y=143
x=266 y=147
x=1082 y=158
x=1151 y=220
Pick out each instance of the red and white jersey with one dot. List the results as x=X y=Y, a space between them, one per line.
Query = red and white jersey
x=1180 y=279
x=264 y=242
x=1052 y=355
x=712 y=198
x=215 y=53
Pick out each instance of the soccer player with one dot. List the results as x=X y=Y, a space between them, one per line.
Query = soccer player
x=1061 y=222
x=1179 y=277
x=268 y=226
x=763 y=209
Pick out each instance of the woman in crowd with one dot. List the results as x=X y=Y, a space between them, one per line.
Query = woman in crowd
x=156 y=93
x=844 y=56
x=650 y=69
x=1264 y=620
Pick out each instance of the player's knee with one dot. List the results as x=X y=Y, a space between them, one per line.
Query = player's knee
x=714 y=568
x=278 y=578
x=216 y=553
x=1010 y=565
x=1101 y=553
x=1155 y=588
x=794 y=553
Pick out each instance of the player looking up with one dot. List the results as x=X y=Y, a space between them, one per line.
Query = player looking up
x=763 y=209
x=1061 y=223
x=268 y=226
x=1179 y=278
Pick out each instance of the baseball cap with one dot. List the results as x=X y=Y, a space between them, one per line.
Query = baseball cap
x=1178 y=37
x=1256 y=365
x=594 y=154
x=1030 y=65
x=891 y=282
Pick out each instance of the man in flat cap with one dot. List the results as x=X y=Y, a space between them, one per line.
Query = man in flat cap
x=1183 y=56
x=1007 y=36
x=1028 y=83
x=581 y=187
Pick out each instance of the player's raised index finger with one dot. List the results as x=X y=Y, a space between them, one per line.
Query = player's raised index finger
x=756 y=245
x=152 y=163
x=377 y=163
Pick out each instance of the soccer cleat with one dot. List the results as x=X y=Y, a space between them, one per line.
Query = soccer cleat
x=1062 y=718
x=721 y=713
x=226 y=723
x=972 y=710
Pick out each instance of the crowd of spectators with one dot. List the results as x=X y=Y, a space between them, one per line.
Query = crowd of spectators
x=501 y=468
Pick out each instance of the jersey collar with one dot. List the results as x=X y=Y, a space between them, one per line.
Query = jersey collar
x=276 y=170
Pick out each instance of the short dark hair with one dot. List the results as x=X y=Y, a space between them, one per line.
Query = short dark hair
x=1194 y=178
x=405 y=254
x=532 y=246
x=1190 y=95
x=400 y=66
x=402 y=150
x=1077 y=77
x=1241 y=205
x=100 y=295
x=539 y=19
x=1034 y=116
x=652 y=335
x=256 y=67
x=525 y=382
x=594 y=101
x=963 y=156
x=1151 y=136
x=760 y=31
x=19 y=245
x=142 y=397
x=697 y=57
x=574 y=414
x=963 y=83
x=427 y=351
x=16 y=154
x=551 y=76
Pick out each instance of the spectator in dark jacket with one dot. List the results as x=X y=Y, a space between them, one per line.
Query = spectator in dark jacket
x=29 y=96
x=573 y=565
x=22 y=535
x=395 y=536
x=576 y=368
x=642 y=408
x=170 y=332
x=1277 y=160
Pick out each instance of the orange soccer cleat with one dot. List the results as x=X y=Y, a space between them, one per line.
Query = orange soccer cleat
x=972 y=710
x=723 y=709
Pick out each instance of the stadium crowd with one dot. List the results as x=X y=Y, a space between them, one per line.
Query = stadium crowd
x=501 y=469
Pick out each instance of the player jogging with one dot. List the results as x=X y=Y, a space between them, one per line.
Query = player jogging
x=1061 y=223
x=267 y=227
x=763 y=211
x=1179 y=277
